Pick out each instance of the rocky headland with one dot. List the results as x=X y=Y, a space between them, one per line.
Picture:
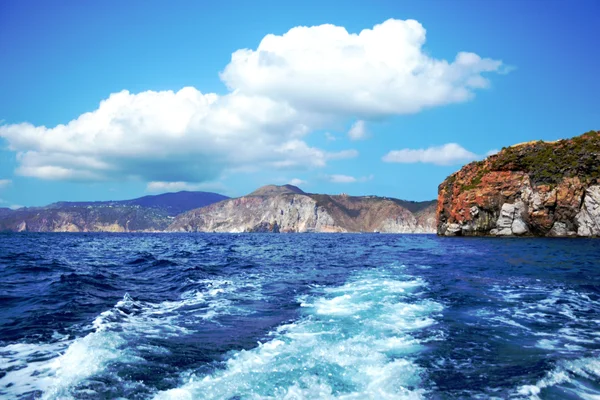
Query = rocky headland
x=270 y=208
x=288 y=209
x=530 y=189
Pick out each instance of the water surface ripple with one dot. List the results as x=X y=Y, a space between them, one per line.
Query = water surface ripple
x=298 y=316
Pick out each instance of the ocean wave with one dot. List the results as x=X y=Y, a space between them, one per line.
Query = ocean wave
x=353 y=342
x=579 y=378
x=119 y=337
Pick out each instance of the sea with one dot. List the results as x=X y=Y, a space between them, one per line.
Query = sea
x=298 y=316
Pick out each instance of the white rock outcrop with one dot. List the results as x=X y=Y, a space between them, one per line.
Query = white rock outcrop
x=588 y=218
x=511 y=220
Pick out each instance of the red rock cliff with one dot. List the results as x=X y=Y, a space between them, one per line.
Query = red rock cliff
x=531 y=189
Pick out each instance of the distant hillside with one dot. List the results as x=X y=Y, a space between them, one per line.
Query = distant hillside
x=288 y=209
x=271 y=190
x=85 y=219
x=415 y=206
x=171 y=203
x=148 y=213
x=270 y=208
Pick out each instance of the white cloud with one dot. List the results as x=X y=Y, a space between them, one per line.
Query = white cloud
x=16 y=206
x=306 y=79
x=341 y=179
x=166 y=136
x=297 y=182
x=342 y=155
x=161 y=187
x=378 y=72
x=358 y=131
x=338 y=178
x=492 y=152
x=330 y=137
x=448 y=154
x=4 y=183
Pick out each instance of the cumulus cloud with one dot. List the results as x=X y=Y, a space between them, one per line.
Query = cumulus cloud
x=358 y=131
x=4 y=183
x=378 y=72
x=297 y=182
x=330 y=137
x=338 y=178
x=166 y=136
x=292 y=84
x=448 y=154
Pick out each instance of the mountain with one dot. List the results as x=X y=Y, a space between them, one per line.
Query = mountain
x=288 y=209
x=85 y=219
x=270 y=208
x=148 y=213
x=270 y=190
x=530 y=189
x=170 y=203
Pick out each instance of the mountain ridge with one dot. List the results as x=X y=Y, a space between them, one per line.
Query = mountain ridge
x=284 y=209
x=143 y=214
x=270 y=208
x=172 y=202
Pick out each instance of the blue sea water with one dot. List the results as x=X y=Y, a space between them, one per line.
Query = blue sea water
x=298 y=316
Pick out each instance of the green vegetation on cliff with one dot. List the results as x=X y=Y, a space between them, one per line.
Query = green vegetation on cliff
x=549 y=162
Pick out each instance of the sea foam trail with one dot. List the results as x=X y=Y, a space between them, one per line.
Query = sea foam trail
x=563 y=323
x=356 y=341
x=570 y=379
x=119 y=337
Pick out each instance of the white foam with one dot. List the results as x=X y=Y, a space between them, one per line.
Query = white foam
x=56 y=368
x=353 y=342
x=569 y=315
x=567 y=377
x=24 y=360
x=340 y=305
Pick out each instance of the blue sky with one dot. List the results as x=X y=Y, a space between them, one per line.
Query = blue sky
x=361 y=106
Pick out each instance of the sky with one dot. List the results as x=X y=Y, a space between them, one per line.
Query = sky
x=119 y=99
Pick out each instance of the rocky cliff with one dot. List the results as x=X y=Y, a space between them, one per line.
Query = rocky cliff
x=288 y=209
x=531 y=189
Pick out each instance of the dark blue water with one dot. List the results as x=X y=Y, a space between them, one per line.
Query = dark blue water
x=298 y=316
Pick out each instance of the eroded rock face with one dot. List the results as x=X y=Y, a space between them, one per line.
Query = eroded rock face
x=299 y=212
x=533 y=189
x=279 y=213
x=588 y=218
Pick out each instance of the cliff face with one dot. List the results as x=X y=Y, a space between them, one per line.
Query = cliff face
x=296 y=212
x=531 y=189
